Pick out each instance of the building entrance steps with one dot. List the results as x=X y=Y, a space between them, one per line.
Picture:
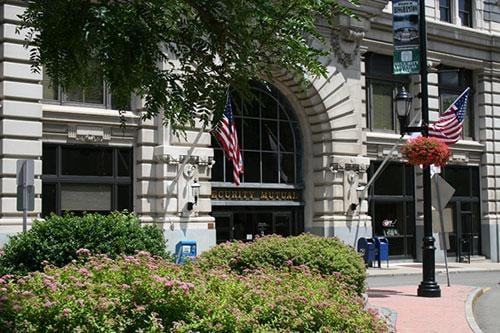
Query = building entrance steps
x=415 y=268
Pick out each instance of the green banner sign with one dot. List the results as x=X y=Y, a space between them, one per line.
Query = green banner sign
x=405 y=27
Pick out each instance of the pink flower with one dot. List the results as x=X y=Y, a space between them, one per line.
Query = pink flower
x=288 y=263
x=47 y=304
x=66 y=312
x=169 y=283
x=83 y=252
x=158 y=278
x=84 y=271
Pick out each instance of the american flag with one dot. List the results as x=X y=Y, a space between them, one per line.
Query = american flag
x=448 y=128
x=226 y=134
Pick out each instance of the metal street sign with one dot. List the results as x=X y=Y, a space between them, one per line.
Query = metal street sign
x=445 y=192
x=25 y=177
x=405 y=28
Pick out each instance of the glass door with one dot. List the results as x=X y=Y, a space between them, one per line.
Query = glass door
x=465 y=238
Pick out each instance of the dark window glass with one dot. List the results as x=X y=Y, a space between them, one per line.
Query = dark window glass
x=382 y=86
x=49 y=160
x=390 y=181
x=124 y=197
x=269 y=168
x=445 y=10
x=287 y=136
x=218 y=169
x=124 y=163
x=409 y=180
x=251 y=134
x=287 y=172
x=268 y=106
x=251 y=163
x=452 y=83
x=48 y=199
x=108 y=188
x=87 y=161
x=269 y=140
x=475 y=182
x=465 y=12
x=460 y=180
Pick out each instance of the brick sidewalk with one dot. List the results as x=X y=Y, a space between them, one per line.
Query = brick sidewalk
x=420 y=314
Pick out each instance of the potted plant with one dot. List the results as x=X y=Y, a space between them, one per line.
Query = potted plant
x=426 y=151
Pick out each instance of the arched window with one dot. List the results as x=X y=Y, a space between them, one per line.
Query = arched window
x=269 y=140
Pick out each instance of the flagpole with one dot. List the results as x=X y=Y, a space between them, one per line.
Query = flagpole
x=428 y=287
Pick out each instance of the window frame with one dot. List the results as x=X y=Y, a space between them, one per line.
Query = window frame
x=448 y=9
x=62 y=96
x=465 y=79
x=469 y=13
x=115 y=181
x=397 y=81
x=284 y=113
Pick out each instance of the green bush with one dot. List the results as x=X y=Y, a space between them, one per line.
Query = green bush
x=326 y=255
x=148 y=294
x=56 y=240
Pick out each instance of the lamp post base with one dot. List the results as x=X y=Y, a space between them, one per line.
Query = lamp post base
x=429 y=289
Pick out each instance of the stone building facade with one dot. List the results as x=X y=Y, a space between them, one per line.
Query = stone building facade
x=306 y=149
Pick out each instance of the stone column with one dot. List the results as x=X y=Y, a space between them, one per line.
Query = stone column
x=20 y=122
x=488 y=96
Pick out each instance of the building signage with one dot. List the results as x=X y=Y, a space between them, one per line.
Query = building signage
x=405 y=26
x=255 y=194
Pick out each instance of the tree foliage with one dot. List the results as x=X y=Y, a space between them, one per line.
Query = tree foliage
x=180 y=56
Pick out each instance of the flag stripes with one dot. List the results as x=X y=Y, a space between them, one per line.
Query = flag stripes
x=448 y=128
x=226 y=134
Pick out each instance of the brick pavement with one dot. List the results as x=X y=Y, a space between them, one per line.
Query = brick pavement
x=424 y=315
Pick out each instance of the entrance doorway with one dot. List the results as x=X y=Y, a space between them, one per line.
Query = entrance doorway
x=465 y=238
x=246 y=223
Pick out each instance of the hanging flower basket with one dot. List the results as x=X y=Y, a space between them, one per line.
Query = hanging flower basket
x=426 y=151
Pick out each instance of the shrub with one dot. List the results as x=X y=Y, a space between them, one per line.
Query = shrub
x=148 y=294
x=57 y=239
x=326 y=255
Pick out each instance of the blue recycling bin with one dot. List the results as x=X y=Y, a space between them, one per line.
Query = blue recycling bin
x=366 y=246
x=185 y=250
x=381 y=250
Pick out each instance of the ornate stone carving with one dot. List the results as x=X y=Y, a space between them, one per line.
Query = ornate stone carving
x=345 y=44
x=89 y=134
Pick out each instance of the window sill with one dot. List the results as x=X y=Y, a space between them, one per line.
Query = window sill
x=85 y=110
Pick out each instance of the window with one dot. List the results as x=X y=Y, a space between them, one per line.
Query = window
x=445 y=10
x=382 y=86
x=96 y=95
x=452 y=82
x=392 y=207
x=82 y=178
x=269 y=140
x=465 y=12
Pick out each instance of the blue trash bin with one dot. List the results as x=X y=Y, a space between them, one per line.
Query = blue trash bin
x=366 y=246
x=185 y=250
x=382 y=250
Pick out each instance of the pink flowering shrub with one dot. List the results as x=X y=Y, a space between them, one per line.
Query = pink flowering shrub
x=325 y=255
x=149 y=294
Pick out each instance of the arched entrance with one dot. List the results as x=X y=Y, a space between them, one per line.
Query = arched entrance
x=269 y=199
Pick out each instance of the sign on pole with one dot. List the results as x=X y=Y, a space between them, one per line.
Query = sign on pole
x=25 y=177
x=405 y=27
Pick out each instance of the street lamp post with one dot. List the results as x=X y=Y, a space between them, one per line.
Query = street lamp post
x=428 y=287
